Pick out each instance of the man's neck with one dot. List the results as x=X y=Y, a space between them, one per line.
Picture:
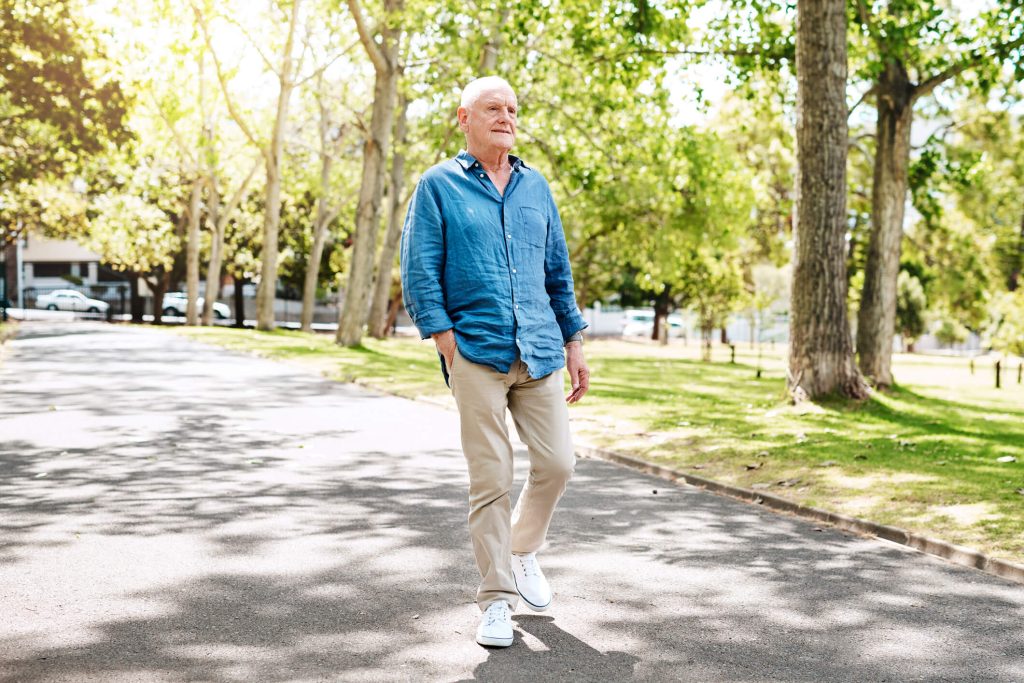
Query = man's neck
x=493 y=160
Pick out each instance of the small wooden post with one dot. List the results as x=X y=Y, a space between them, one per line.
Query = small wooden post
x=1020 y=371
x=999 y=368
x=972 y=366
x=732 y=353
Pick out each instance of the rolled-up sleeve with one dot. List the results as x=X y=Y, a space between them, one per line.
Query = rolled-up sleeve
x=558 y=277
x=422 y=262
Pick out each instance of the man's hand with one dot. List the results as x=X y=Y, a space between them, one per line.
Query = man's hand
x=579 y=373
x=445 y=343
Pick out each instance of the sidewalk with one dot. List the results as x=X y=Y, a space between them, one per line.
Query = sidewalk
x=171 y=511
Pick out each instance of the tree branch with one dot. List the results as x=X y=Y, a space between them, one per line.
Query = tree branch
x=255 y=45
x=865 y=18
x=232 y=110
x=873 y=90
x=182 y=147
x=236 y=198
x=321 y=69
x=376 y=55
x=975 y=57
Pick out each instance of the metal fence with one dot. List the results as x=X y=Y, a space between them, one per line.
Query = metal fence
x=117 y=294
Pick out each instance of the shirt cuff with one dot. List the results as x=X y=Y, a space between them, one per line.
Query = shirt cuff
x=432 y=321
x=577 y=337
x=570 y=324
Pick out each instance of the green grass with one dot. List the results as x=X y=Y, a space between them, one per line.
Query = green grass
x=922 y=456
x=7 y=330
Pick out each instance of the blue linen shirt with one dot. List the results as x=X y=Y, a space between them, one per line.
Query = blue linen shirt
x=493 y=267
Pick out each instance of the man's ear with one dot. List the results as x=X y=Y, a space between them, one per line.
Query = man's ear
x=462 y=115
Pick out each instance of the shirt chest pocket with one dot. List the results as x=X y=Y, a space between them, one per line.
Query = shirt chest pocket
x=535 y=226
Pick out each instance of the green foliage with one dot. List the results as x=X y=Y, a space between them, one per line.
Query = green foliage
x=950 y=332
x=991 y=145
x=1006 y=331
x=56 y=111
x=910 y=306
x=132 y=234
x=54 y=105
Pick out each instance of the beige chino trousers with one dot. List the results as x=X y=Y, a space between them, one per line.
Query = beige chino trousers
x=542 y=419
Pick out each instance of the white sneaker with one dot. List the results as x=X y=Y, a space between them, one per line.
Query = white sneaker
x=530 y=581
x=495 y=625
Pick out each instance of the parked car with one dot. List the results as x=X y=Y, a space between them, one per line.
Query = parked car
x=70 y=300
x=640 y=323
x=175 y=303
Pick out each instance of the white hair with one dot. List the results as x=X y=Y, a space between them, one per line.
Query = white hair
x=471 y=93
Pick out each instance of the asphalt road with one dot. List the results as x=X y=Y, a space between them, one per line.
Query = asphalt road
x=174 y=512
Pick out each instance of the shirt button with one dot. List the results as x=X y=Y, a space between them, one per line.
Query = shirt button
x=517 y=306
x=481 y=175
x=508 y=235
x=513 y=270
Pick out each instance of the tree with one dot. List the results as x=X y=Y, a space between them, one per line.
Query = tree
x=989 y=146
x=914 y=48
x=331 y=134
x=133 y=235
x=821 y=351
x=713 y=288
x=1006 y=330
x=384 y=300
x=56 y=112
x=382 y=47
x=911 y=305
x=286 y=71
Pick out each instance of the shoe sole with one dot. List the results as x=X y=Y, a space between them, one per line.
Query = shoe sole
x=530 y=605
x=494 y=642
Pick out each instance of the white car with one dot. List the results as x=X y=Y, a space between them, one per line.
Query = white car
x=640 y=323
x=175 y=303
x=70 y=300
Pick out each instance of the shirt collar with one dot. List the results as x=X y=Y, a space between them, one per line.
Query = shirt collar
x=468 y=161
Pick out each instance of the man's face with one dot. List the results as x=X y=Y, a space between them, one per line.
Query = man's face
x=490 y=122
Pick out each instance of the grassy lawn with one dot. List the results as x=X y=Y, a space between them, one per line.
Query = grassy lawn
x=923 y=456
x=7 y=330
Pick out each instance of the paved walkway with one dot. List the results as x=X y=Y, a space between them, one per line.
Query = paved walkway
x=172 y=511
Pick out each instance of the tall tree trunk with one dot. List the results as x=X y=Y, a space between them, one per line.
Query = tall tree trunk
x=393 y=309
x=876 y=320
x=216 y=254
x=137 y=304
x=158 y=285
x=489 y=55
x=192 y=253
x=273 y=155
x=219 y=217
x=323 y=220
x=324 y=216
x=1013 y=282
x=821 y=349
x=662 y=304
x=378 y=323
x=239 y=299
x=384 y=55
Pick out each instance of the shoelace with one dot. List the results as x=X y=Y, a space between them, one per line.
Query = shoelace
x=528 y=564
x=497 y=613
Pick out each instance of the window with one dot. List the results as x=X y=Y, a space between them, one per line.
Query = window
x=56 y=269
x=108 y=274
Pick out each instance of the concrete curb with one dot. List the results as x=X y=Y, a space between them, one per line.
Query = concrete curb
x=967 y=557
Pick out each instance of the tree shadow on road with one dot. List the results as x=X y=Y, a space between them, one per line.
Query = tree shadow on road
x=320 y=534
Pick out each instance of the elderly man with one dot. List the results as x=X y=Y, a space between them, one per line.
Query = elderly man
x=485 y=272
